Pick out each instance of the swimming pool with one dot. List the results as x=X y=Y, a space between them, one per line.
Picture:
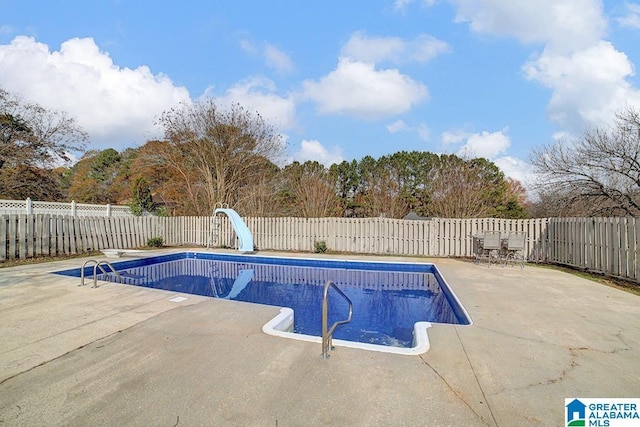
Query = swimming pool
x=393 y=303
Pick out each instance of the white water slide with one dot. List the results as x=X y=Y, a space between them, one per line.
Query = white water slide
x=242 y=231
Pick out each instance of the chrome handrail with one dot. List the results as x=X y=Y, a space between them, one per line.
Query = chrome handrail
x=327 y=334
x=82 y=270
x=99 y=265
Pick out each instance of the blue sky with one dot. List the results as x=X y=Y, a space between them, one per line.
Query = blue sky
x=340 y=80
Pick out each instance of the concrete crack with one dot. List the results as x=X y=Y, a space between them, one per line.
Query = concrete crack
x=454 y=391
x=457 y=393
x=618 y=335
x=573 y=362
x=475 y=375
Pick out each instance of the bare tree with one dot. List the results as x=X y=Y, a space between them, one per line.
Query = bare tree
x=307 y=191
x=172 y=178
x=33 y=135
x=261 y=197
x=381 y=194
x=461 y=188
x=225 y=150
x=600 y=172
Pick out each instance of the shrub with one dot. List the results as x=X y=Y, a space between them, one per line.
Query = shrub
x=320 y=247
x=155 y=242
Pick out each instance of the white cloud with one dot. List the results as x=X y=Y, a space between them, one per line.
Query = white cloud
x=277 y=59
x=314 y=150
x=249 y=47
x=454 y=137
x=401 y=5
x=116 y=106
x=562 y=136
x=274 y=58
x=423 y=48
x=485 y=144
x=6 y=29
x=517 y=169
x=422 y=130
x=397 y=126
x=563 y=24
x=632 y=17
x=588 y=86
x=587 y=76
x=360 y=47
x=358 y=89
x=259 y=94
x=491 y=146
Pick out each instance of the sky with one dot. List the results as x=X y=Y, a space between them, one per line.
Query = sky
x=339 y=80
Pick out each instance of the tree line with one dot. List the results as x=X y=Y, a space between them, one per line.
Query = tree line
x=211 y=155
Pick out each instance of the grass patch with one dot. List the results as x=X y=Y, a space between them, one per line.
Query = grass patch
x=43 y=259
x=613 y=282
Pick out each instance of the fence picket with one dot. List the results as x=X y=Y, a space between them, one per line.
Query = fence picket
x=4 y=237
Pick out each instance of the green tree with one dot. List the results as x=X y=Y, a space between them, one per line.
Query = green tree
x=141 y=200
x=92 y=178
x=347 y=181
x=412 y=171
x=380 y=190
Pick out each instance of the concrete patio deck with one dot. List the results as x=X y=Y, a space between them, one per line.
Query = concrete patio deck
x=122 y=355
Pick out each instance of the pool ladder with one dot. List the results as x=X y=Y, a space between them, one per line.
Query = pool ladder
x=327 y=333
x=216 y=224
x=98 y=265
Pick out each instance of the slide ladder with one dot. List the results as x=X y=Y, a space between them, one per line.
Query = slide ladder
x=214 y=233
x=241 y=229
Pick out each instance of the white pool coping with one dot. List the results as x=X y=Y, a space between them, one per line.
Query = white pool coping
x=282 y=325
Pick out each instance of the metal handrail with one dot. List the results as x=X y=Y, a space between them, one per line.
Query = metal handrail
x=327 y=335
x=82 y=270
x=99 y=265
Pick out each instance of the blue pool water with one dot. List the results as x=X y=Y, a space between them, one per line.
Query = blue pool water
x=388 y=298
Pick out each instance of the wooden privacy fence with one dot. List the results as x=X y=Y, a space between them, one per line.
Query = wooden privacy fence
x=28 y=236
x=438 y=237
x=606 y=245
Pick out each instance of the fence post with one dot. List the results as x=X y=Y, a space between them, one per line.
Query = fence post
x=29 y=206
x=108 y=209
x=73 y=208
